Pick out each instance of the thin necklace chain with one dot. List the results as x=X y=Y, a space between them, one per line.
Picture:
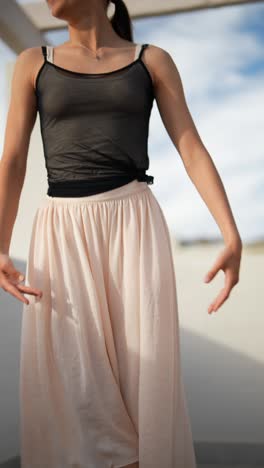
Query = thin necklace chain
x=95 y=54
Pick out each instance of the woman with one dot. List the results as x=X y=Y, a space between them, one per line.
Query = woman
x=101 y=382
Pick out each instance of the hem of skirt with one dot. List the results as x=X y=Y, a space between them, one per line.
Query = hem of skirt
x=123 y=465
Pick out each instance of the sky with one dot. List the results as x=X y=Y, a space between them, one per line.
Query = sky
x=219 y=54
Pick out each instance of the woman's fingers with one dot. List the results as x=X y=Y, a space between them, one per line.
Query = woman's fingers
x=229 y=262
x=29 y=290
x=12 y=289
x=221 y=298
x=218 y=265
x=231 y=280
x=211 y=273
x=15 y=289
x=10 y=279
x=22 y=287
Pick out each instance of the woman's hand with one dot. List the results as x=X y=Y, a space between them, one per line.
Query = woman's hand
x=228 y=261
x=10 y=280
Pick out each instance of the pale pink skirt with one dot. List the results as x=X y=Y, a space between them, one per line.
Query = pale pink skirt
x=100 y=373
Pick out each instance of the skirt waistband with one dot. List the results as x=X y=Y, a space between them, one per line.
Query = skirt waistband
x=118 y=193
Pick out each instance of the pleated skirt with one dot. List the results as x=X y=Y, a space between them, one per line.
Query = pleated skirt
x=100 y=369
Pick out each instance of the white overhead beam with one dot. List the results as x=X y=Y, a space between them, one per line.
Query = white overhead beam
x=44 y=21
x=23 y=25
x=16 y=29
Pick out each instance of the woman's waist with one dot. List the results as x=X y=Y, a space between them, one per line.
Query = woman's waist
x=95 y=183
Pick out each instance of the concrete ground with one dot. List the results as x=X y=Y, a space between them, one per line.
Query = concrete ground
x=15 y=464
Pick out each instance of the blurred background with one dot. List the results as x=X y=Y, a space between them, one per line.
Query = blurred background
x=218 y=47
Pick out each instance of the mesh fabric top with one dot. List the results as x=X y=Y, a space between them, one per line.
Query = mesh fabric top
x=94 y=127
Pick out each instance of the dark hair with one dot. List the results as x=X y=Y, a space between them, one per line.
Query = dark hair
x=121 y=20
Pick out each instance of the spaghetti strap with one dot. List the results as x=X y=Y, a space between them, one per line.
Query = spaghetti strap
x=137 y=51
x=44 y=52
x=47 y=52
x=50 y=53
x=142 y=50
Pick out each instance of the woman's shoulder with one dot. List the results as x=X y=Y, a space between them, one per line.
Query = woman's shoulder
x=158 y=60
x=157 y=54
x=29 y=61
x=30 y=54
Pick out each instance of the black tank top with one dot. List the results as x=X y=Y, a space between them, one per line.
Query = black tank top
x=94 y=126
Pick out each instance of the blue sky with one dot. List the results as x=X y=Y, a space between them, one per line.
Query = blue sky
x=220 y=56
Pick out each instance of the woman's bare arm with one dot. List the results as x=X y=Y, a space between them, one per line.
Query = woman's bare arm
x=197 y=161
x=21 y=118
